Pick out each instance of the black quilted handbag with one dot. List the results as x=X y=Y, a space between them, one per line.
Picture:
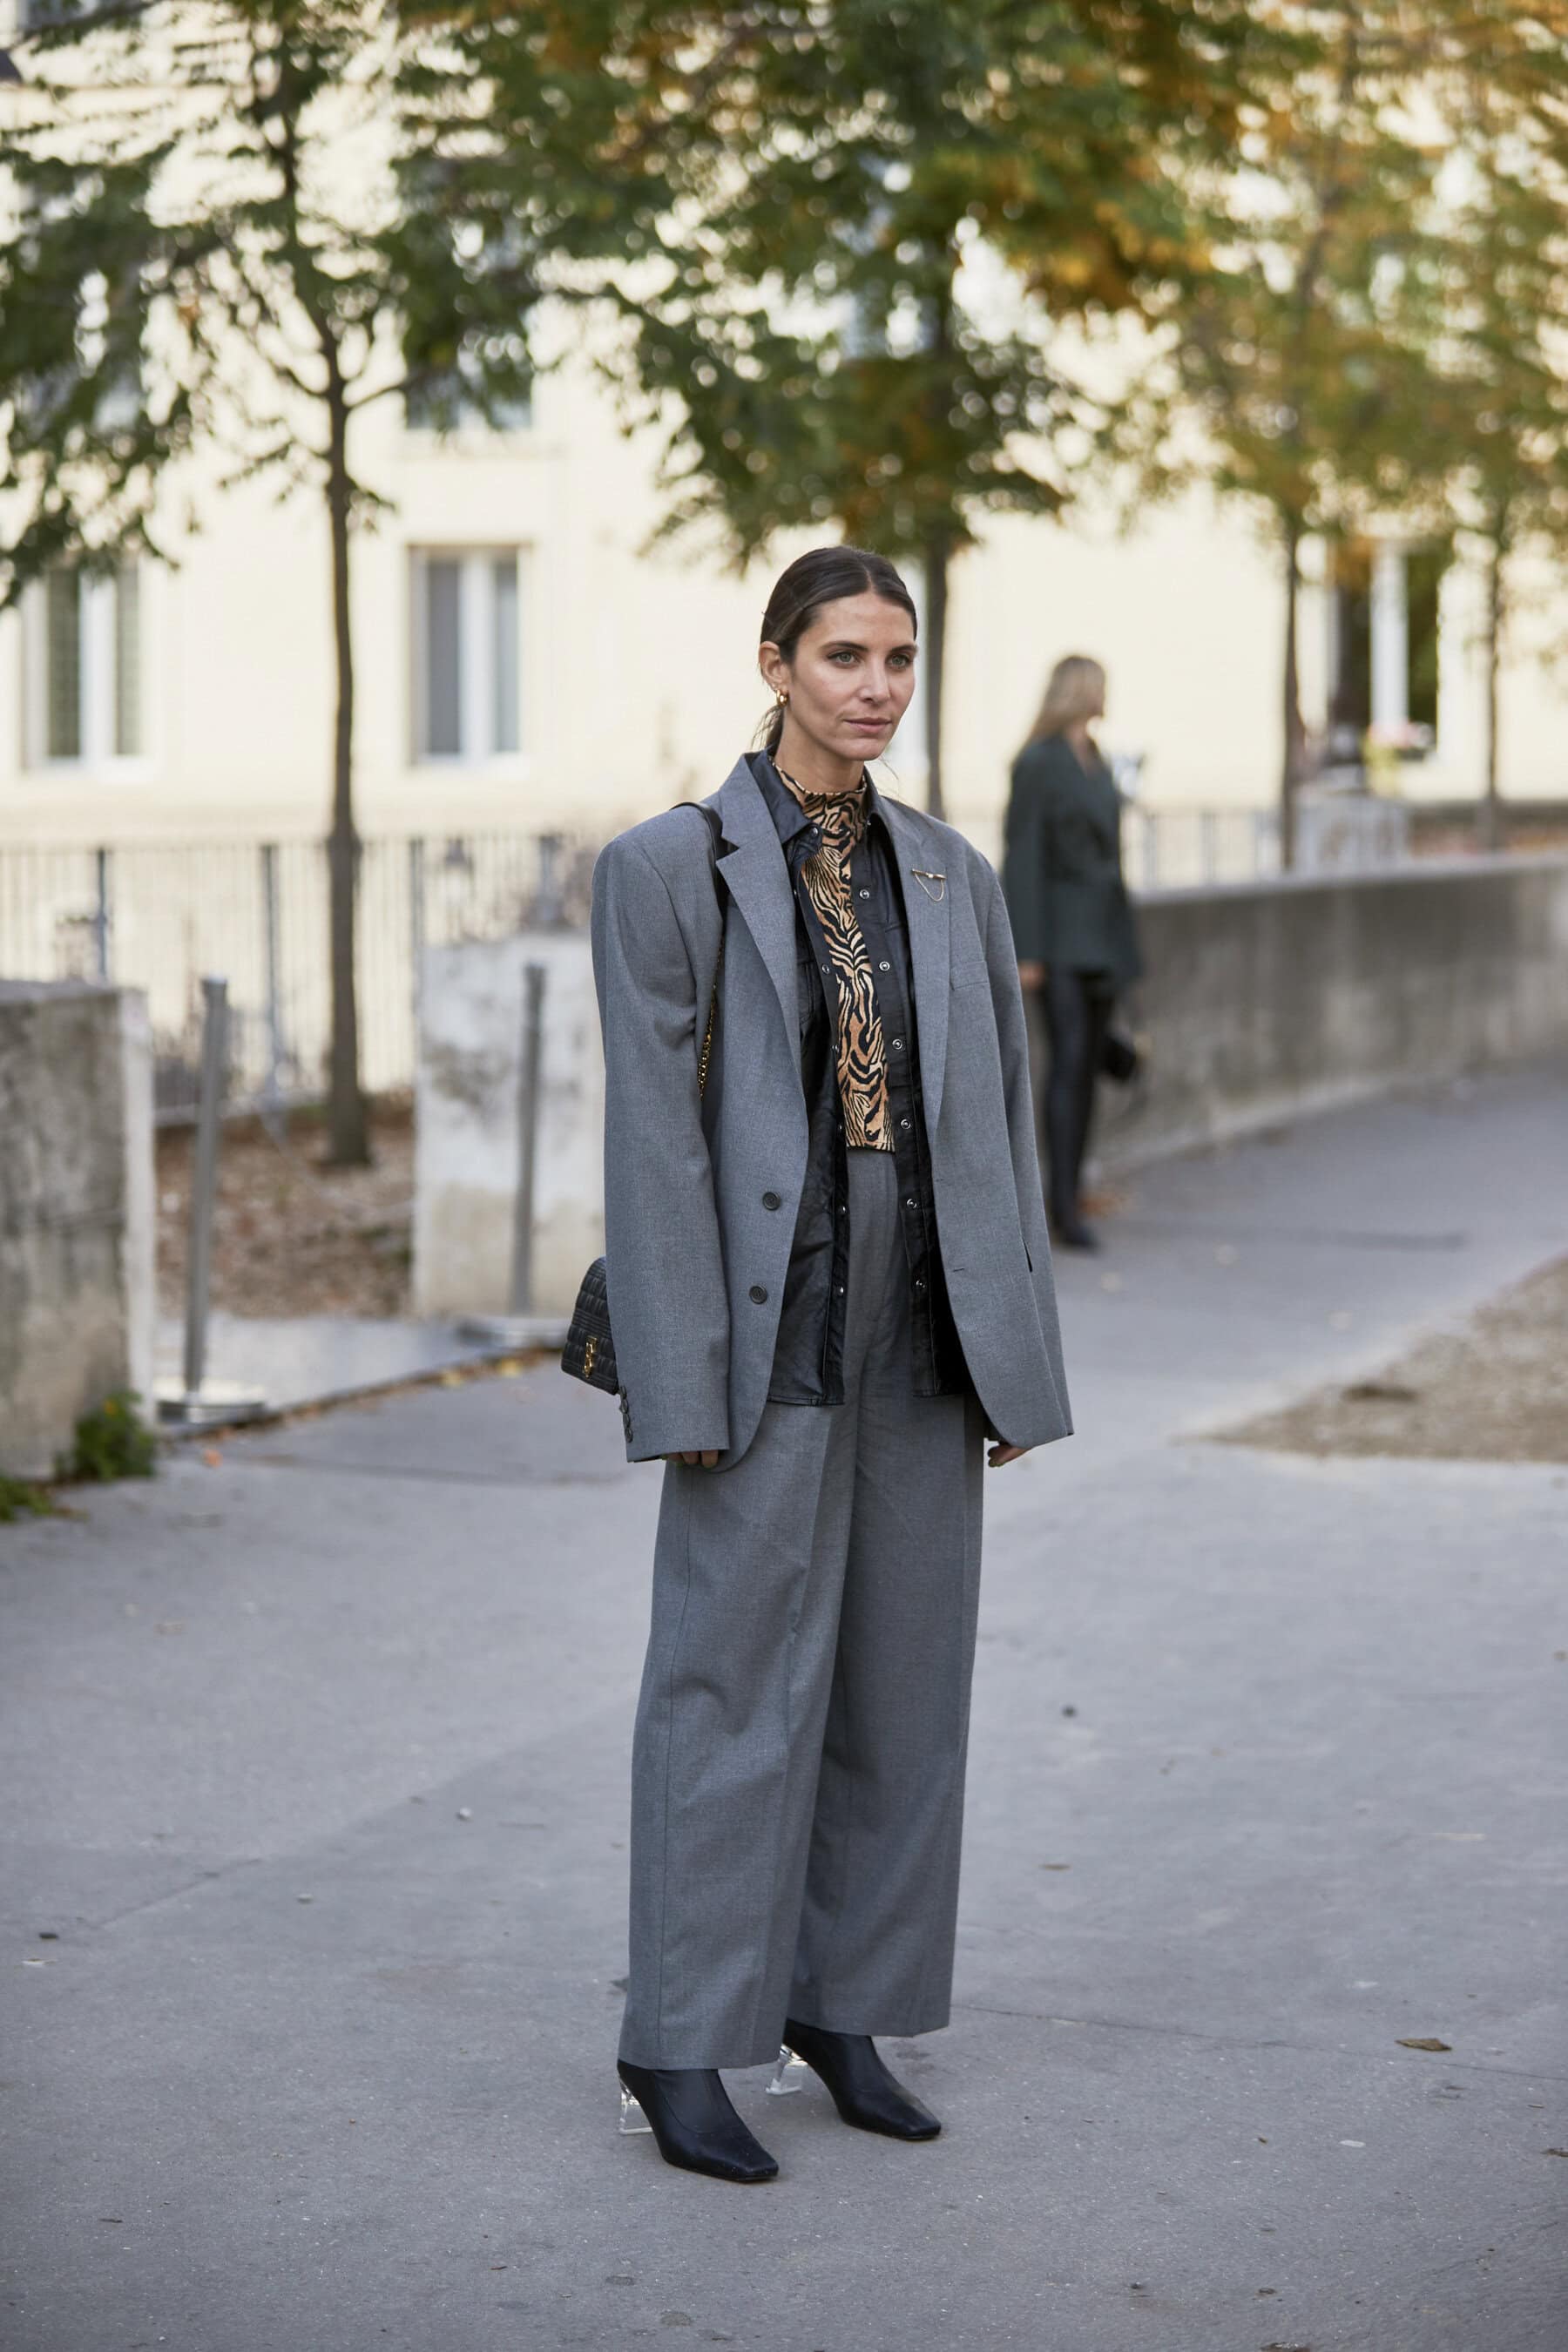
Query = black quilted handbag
x=588 y=1352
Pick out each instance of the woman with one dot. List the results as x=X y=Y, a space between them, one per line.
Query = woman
x=828 y=1277
x=1072 y=921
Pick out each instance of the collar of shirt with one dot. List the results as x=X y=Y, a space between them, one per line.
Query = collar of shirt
x=789 y=818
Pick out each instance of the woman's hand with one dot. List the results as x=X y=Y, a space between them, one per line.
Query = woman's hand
x=708 y=1460
x=1031 y=975
x=1000 y=1455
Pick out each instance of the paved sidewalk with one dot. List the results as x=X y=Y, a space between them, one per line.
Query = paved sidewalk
x=301 y=1360
x=312 y=1770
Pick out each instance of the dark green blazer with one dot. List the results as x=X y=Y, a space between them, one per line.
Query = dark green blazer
x=1061 y=874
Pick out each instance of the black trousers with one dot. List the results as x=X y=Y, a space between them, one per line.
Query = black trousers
x=1075 y=1014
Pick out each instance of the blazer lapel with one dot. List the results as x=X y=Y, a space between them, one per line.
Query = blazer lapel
x=926 y=897
x=758 y=881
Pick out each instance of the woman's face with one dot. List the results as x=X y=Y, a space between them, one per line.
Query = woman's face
x=851 y=678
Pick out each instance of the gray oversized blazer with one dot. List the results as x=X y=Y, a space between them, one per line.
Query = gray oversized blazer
x=696 y=1257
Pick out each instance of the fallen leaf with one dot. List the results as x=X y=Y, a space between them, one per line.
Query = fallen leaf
x=1422 y=2042
x=211 y=1455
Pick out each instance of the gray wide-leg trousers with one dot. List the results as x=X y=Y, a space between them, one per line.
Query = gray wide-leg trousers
x=797 y=1777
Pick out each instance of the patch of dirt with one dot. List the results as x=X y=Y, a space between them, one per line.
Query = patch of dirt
x=1494 y=1390
x=289 y=1236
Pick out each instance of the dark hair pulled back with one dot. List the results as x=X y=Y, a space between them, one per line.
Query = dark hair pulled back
x=821 y=577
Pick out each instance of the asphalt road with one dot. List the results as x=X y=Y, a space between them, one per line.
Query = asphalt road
x=312 y=1772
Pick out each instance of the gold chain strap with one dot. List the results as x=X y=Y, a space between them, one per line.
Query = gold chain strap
x=707 y=1053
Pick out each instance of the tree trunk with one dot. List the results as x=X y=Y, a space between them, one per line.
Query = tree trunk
x=1293 y=754
x=938 y=556
x=348 y=1131
x=1489 y=829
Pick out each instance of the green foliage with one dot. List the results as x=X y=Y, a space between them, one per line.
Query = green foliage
x=841 y=239
x=866 y=326
x=112 y=1442
x=20 y=1499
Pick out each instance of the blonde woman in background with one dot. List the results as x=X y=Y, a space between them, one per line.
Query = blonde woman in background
x=1073 y=928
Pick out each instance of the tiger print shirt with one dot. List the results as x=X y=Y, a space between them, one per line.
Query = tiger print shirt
x=841 y=818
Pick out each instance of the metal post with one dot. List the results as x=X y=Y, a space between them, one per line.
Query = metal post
x=194 y=1400
x=272 y=1097
x=534 y=977
x=417 y=928
x=203 y=1180
x=104 y=914
x=1208 y=840
x=547 y=904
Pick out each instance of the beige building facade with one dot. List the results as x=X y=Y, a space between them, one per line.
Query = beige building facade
x=527 y=663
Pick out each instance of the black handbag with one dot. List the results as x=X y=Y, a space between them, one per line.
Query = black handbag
x=588 y=1352
x=1120 y=1058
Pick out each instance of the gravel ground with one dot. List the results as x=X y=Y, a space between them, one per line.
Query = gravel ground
x=290 y=1236
x=1494 y=1389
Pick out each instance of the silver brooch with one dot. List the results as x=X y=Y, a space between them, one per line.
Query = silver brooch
x=925 y=879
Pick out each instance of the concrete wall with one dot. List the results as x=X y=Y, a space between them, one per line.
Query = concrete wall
x=77 y=1296
x=466 y=1152
x=1265 y=1003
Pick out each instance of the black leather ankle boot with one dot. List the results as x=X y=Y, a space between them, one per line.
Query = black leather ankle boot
x=1070 y=1231
x=863 y=2090
x=688 y=2111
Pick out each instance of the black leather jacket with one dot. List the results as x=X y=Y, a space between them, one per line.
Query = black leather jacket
x=808 y=1364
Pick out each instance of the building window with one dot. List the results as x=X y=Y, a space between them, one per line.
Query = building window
x=89 y=666
x=467 y=668
x=1383 y=643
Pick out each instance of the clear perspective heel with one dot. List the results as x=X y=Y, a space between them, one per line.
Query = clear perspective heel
x=789 y=2075
x=632 y=2116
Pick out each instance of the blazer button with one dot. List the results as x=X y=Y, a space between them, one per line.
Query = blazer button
x=758 y=1294
x=772 y=1201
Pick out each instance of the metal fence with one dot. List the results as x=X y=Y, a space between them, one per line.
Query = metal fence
x=1180 y=849
x=157 y=915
